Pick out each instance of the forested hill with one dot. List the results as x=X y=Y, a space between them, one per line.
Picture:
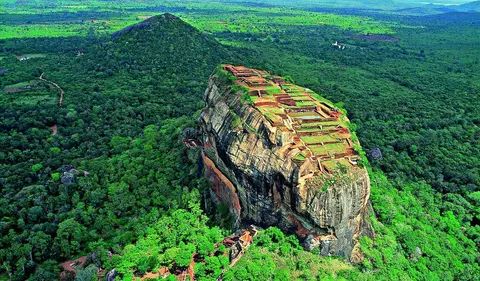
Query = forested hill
x=115 y=137
x=166 y=52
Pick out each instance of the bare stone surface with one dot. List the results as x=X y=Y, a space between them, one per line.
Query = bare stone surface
x=68 y=178
x=375 y=154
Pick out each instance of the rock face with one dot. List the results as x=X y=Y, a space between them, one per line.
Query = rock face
x=279 y=155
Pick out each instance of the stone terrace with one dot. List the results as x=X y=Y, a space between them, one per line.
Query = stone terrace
x=318 y=128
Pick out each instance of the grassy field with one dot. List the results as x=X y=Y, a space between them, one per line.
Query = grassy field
x=18 y=85
x=329 y=148
x=65 y=29
x=28 y=92
x=72 y=18
x=267 y=20
x=34 y=100
x=17 y=94
x=317 y=139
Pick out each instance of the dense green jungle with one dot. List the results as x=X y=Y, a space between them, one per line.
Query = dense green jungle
x=102 y=91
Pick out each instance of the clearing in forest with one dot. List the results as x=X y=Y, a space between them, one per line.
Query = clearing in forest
x=22 y=86
x=30 y=56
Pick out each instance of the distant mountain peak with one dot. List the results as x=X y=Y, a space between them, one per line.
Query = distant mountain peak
x=161 y=40
x=469 y=7
x=433 y=9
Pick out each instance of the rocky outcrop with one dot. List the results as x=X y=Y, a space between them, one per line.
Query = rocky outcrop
x=270 y=176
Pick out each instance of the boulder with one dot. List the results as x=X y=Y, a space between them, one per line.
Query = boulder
x=68 y=178
x=111 y=275
x=66 y=168
x=375 y=154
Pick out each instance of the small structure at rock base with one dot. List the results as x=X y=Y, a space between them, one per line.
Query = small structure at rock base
x=190 y=138
x=192 y=143
x=238 y=243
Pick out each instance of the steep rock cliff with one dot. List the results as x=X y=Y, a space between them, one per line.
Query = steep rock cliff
x=278 y=154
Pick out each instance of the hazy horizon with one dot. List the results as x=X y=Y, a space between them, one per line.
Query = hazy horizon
x=375 y=4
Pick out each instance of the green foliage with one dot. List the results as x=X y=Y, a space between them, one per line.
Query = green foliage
x=275 y=256
x=37 y=167
x=289 y=79
x=87 y=274
x=226 y=76
x=71 y=236
x=55 y=149
x=123 y=129
x=55 y=176
x=237 y=121
x=125 y=105
x=245 y=98
x=171 y=241
x=415 y=240
x=119 y=143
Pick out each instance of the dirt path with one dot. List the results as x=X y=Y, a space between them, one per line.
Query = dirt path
x=60 y=98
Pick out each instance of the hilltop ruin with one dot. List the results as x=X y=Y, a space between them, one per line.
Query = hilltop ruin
x=314 y=131
x=279 y=154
